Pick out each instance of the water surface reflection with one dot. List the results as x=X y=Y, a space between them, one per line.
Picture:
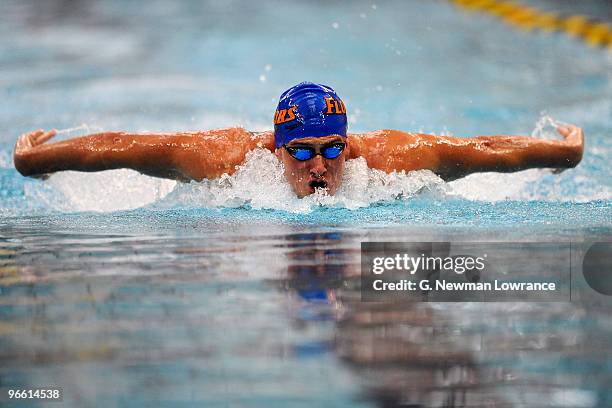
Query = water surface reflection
x=411 y=353
x=272 y=317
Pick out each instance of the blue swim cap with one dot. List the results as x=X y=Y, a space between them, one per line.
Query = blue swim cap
x=308 y=110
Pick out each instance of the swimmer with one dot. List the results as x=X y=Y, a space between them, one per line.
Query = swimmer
x=310 y=138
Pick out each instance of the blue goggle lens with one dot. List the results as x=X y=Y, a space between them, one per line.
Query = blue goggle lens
x=302 y=154
x=332 y=152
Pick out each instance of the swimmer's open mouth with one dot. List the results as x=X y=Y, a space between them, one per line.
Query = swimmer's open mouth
x=314 y=184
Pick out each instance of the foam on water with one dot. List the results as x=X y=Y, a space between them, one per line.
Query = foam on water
x=546 y=128
x=105 y=191
x=260 y=184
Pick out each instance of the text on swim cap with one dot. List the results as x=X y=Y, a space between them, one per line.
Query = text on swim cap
x=334 y=106
x=284 y=115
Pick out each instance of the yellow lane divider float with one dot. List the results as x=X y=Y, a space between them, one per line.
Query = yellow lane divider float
x=594 y=33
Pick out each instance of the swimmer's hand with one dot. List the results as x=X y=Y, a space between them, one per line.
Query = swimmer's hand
x=26 y=143
x=574 y=138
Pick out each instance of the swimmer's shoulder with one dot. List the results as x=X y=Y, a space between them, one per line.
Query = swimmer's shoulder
x=208 y=154
x=263 y=139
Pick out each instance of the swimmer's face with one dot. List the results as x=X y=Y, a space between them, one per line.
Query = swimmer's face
x=308 y=175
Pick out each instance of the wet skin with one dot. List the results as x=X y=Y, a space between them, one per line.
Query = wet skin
x=308 y=175
x=199 y=155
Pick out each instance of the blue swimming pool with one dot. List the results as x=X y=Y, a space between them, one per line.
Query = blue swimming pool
x=130 y=291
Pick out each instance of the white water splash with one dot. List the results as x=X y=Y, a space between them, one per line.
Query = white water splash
x=6 y=159
x=112 y=190
x=546 y=128
x=83 y=126
x=260 y=184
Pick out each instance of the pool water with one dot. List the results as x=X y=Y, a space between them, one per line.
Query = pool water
x=125 y=290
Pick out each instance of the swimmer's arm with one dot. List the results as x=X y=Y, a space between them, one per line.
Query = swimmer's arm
x=459 y=157
x=179 y=156
x=452 y=157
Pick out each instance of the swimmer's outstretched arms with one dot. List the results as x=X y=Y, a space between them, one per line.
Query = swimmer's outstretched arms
x=310 y=137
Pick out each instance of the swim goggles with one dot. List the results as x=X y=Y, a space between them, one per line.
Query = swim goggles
x=329 y=151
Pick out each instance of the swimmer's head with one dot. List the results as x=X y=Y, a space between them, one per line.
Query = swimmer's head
x=308 y=110
x=310 y=128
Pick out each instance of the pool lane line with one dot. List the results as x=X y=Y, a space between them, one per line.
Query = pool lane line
x=592 y=32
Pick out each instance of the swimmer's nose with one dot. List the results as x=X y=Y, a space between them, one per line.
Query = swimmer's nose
x=318 y=168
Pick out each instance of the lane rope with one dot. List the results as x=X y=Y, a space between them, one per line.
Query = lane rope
x=590 y=31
